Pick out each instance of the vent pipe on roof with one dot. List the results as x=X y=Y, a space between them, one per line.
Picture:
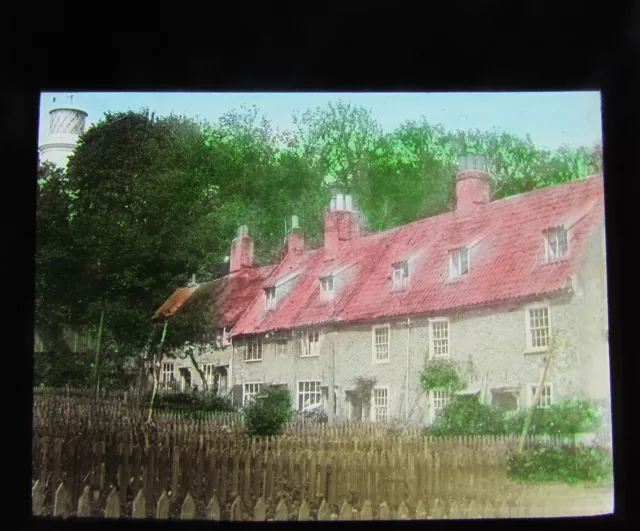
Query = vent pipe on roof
x=332 y=204
x=340 y=202
x=294 y=222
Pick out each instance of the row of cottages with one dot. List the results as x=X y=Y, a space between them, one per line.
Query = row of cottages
x=491 y=286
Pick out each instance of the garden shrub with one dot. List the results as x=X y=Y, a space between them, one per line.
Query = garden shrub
x=269 y=413
x=569 y=465
x=465 y=415
x=563 y=419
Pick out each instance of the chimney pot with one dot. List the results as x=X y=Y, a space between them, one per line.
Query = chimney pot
x=332 y=204
x=348 y=203
x=340 y=202
x=294 y=222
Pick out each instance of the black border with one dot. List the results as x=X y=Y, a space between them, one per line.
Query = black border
x=482 y=45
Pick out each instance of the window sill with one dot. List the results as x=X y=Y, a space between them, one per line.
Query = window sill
x=252 y=361
x=556 y=261
x=381 y=362
x=536 y=351
x=456 y=280
x=311 y=356
x=439 y=358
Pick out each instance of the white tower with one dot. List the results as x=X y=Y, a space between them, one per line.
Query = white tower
x=66 y=124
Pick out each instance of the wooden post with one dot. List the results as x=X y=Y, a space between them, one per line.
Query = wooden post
x=96 y=368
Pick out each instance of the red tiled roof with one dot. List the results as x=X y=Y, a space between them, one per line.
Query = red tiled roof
x=506 y=262
x=228 y=296
x=171 y=305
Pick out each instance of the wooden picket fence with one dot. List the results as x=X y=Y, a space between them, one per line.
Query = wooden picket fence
x=424 y=470
x=91 y=505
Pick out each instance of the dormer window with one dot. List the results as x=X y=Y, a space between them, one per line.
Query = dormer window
x=326 y=286
x=459 y=263
x=556 y=244
x=270 y=294
x=400 y=274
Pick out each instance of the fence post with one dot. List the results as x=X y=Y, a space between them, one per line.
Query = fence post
x=213 y=509
x=37 y=498
x=282 y=513
x=188 y=510
x=61 y=503
x=139 y=505
x=112 y=509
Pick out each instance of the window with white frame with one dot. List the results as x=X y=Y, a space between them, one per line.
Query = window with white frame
x=311 y=342
x=439 y=335
x=381 y=343
x=327 y=287
x=545 y=395
x=538 y=328
x=167 y=375
x=556 y=244
x=381 y=404
x=250 y=391
x=400 y=274
x=270 y=297
x=459 y=263
x=439 y=400
x=209 y=371
x=253 y=350
x=281 y=346
x=309 y=393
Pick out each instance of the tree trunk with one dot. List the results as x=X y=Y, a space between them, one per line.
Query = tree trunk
x=536 y=399
x=157 y=366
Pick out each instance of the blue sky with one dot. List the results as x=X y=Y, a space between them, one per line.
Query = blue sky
x=551 y=118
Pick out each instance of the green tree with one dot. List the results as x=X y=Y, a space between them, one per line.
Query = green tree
x=139 y=185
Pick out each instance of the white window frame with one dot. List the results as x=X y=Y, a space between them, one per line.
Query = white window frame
x=209 y=370
x=317 y=392
x=248 y=397
x=432 y=350
x=375 y=407
x=455 y=259
x=167 y=375
x=249 y=353
x=307 y=350
x=552 y=235
x=281 y=346
x=527 y=322
x=374 y=356
x=433 y=411
x=271 y=297
x=400 y=279
x=531 y=390
x=327 y=289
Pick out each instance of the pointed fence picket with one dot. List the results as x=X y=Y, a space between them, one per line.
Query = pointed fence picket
x=453 y=509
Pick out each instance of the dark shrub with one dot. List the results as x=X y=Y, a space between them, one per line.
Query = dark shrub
x=570 y=465
x=193 y=405
x=269 y=413
x=467 y=416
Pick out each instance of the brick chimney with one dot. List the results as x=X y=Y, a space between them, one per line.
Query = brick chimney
x=341 y=223
x=473 y=184
x=295 y=238
x=241 y=250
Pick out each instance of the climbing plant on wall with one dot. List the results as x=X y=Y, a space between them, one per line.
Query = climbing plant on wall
x=440 y=374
